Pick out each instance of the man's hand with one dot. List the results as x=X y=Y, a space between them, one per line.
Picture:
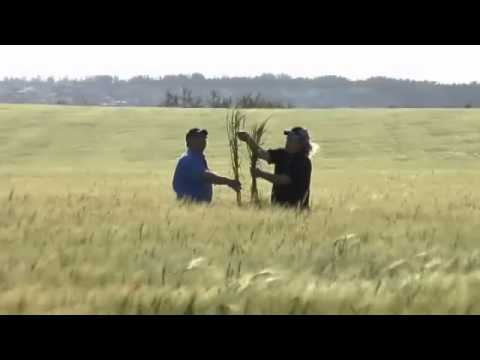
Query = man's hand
x=243 y=136
x=235 y=185
x=262 y=154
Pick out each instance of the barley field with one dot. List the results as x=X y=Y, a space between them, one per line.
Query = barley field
x=89 y=224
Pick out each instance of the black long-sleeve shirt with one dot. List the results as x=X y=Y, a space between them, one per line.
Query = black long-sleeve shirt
x=299 y=168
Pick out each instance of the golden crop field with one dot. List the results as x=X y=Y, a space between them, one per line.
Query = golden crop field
x=89 y=223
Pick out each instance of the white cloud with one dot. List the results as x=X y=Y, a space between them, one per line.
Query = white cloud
x=443 y=63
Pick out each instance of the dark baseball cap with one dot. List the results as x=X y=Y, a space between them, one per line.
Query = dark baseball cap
x=298 y=131
x=196 y=132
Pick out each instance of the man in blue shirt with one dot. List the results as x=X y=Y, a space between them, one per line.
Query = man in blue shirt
x=193 y=180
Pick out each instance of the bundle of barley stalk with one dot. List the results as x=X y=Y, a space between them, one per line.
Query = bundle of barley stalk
x=235 y=121
x=257 y=133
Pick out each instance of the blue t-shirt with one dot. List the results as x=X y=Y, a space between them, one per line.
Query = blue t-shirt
x=188 y=181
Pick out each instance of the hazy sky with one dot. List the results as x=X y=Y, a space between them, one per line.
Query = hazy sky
x=442 y=63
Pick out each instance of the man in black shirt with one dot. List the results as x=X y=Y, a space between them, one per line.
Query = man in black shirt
x=293 y=168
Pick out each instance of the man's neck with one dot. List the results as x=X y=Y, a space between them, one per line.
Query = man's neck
x=196 y=152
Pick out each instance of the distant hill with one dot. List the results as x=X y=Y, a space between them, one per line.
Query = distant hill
x=262 y=91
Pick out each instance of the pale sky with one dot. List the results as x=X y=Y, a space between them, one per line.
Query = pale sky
x=441 y=63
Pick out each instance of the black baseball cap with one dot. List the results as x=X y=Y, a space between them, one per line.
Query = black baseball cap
x=196 y=132
x=298 y=131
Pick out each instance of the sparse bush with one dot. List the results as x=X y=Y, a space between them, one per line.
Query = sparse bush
x=251 y=101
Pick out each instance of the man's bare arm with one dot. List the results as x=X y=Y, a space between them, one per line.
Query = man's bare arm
x=220 y=180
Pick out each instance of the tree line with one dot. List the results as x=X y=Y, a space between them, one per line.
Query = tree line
x=267 y=90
